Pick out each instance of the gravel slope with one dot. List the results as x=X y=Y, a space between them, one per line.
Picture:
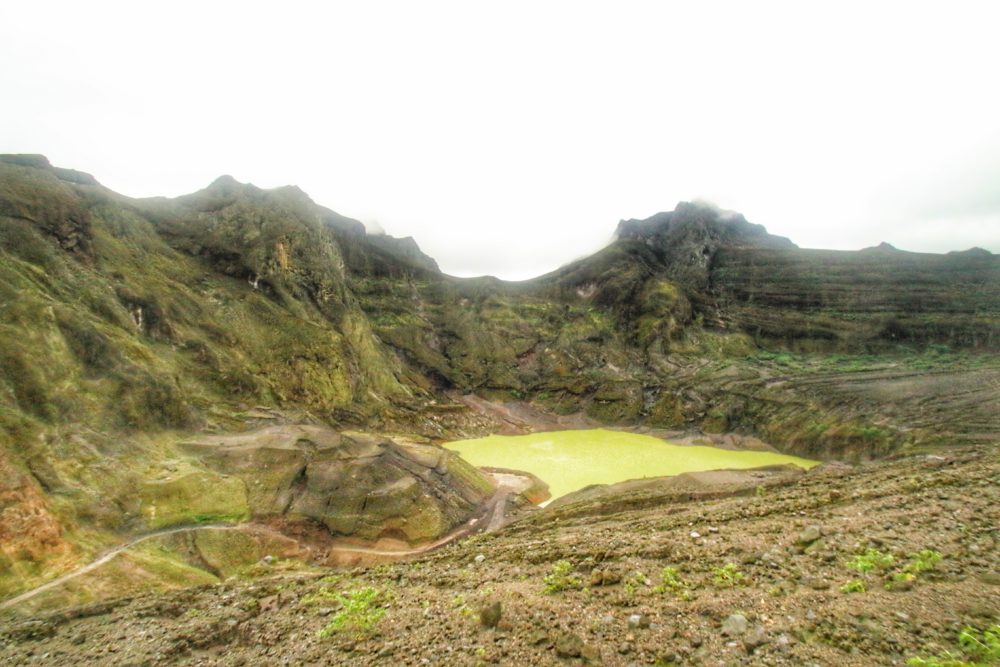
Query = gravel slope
x=789 y=536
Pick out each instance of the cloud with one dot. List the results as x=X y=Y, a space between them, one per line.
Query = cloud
x=373 y=227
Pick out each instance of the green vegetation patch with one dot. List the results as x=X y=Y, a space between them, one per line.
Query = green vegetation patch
x=728 y=576
x=672 y=582
x=193 y=497
x=361 y=610
x=561 y=578
x=975 y=649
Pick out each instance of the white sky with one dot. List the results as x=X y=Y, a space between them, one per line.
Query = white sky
x=510 y=137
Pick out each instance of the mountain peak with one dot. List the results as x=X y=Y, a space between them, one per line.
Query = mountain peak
x=700 y=221
x=882 y=247
x=224 y=182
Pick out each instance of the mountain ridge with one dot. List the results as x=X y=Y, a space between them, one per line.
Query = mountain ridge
x=687 y=212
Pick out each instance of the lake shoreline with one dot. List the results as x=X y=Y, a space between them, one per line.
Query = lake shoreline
x=572 y=459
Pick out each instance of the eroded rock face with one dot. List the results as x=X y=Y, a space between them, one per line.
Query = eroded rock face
x=359 y=485
x=29 y=534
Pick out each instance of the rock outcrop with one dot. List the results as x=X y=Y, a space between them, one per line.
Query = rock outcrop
x=355 y=484
x=686 y=239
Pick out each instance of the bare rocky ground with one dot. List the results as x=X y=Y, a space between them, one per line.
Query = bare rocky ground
x=786 y=538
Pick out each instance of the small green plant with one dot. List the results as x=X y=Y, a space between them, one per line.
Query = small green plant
x=461 y=606
x=900 y=580
x=976 y=649
x=941 y=661
x=853 y=586
x=981 y=646
x=871 y=560
x=728 y=576
x=360 y=611
x=671 y=582
x=922 y=561
x=382 y=570
x=634 y=582
x=561 y=578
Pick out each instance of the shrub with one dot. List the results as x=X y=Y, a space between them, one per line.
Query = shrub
x=985 y=646
x=922 y=561
x=900 y=581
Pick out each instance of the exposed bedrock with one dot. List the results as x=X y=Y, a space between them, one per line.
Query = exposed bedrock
x=360 y=485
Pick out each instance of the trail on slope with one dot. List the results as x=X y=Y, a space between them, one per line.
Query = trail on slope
x=490 y=515
x=106 y=558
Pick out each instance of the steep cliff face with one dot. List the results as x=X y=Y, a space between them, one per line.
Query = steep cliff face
x=180 y=313
x=184 y=299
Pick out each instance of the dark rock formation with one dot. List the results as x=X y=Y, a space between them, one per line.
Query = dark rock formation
x=686 y=239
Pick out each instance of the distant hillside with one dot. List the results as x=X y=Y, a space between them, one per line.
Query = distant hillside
x=740 y=278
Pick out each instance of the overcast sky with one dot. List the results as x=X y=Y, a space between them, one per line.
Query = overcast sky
x=510 y=137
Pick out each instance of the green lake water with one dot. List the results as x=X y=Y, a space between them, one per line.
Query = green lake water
x=571 y=460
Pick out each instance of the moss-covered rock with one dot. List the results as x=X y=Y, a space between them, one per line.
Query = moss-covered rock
x=616 y=402
x=225 y=552
x=193 y=497
x=354 y=484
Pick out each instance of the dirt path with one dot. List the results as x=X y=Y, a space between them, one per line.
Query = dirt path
x=491 y=515
x=106 y=558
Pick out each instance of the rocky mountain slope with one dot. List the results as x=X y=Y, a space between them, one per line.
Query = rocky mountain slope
x=862 y=566
x=132 y=330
